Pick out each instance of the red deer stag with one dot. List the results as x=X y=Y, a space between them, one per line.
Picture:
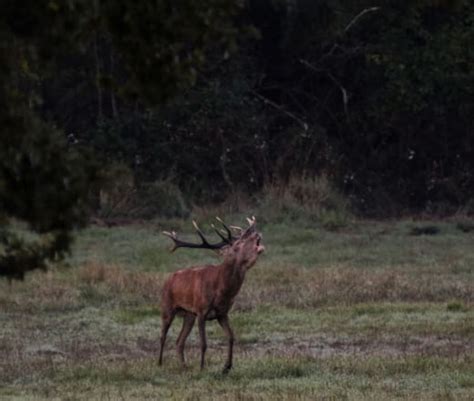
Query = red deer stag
x=208 y=292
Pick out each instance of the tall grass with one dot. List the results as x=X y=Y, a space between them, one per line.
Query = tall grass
x=304 y=199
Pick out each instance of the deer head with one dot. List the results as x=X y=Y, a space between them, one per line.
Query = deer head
x=244 y=251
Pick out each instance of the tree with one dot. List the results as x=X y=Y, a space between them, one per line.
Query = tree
x=389 y=83
x=44 y=181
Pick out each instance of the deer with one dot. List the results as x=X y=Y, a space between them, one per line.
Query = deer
x=208 y=292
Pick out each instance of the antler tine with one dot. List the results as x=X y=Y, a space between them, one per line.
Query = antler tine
x=251 y=228
x=240 y=229
x=227 y=229
x=200 y=233
x=219 y=233
x=174 y=237
x=251 y=220
x=169 y=234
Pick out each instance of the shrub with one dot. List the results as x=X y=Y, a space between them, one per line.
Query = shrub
x=303 y=199
x=119 y=196
x=160 y=198
x=456 y=306
x=116 y=192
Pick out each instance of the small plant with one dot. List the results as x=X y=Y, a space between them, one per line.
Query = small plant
x=333 y=220
x=456 y=306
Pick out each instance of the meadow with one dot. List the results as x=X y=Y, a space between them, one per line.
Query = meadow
x=370 y=311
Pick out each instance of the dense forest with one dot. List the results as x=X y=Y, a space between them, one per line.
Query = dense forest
x=114 y=108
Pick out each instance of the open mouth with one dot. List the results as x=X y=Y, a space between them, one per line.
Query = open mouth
x=260 y=248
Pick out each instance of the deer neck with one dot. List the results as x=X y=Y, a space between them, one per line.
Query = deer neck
x=232 y=277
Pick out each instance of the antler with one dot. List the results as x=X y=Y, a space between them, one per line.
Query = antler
x=252 y=221
x=251 y=228
x=205 y=244
x=230 y=238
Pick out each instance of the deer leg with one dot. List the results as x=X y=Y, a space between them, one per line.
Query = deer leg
x=224 y=323
x=166 y=321
x=202 y=335
x=188 y=323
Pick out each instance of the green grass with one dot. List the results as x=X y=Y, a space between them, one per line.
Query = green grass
x=368 y=312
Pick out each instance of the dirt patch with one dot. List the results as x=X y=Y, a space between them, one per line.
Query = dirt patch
x=314 y=347
x=36 y=360
x=327 y=347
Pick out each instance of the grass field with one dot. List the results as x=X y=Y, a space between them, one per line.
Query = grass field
x=369 y=312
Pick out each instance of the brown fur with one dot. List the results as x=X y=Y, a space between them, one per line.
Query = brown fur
x=207 y=293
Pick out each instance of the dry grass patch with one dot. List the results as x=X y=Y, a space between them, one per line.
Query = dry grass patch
x=46 y=291
x=93 y=283
x=296 y=287
x=144 y=284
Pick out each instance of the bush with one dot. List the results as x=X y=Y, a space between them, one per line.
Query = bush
x=160 y=198
x=306 y=200
x=116 y=192
x=120 y=196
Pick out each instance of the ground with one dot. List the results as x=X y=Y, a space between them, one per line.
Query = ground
x=372 y=311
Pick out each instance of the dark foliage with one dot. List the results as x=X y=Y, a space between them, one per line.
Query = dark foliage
x=52 y=55
x=378 y=98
